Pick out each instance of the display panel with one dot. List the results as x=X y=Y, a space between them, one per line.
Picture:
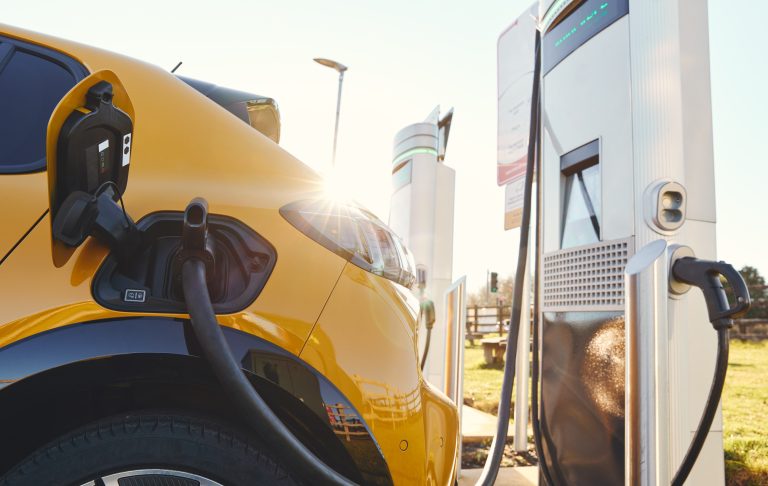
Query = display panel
x=578 y=27
x=582 y=205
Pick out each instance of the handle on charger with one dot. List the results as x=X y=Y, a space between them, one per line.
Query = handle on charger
x=705 y=274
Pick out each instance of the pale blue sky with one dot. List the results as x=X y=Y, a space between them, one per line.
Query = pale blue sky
x=405 y=57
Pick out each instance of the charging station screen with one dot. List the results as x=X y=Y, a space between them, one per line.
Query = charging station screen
x=582 y=201
x=583 y=23
x=581 y=222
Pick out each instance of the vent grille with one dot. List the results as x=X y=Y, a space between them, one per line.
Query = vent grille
x=586 y=278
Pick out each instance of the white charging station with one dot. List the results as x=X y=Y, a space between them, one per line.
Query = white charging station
x=421 y=213
x=626 y=160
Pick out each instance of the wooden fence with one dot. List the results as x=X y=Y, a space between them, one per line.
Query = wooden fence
x=487 y=319
x=483 y=320
x=750 y=329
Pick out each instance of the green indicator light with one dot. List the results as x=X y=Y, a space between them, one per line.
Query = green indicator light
x=414 y=151
x=584 y=22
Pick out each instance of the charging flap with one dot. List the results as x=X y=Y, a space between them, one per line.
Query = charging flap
x=89 y=143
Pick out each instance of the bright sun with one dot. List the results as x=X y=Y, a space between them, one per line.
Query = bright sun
x=338 y=185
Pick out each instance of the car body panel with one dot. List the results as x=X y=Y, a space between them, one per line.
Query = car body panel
x=364 y=342
x=24 y=199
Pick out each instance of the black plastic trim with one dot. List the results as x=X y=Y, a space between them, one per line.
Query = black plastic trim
x=230 y=99
x=260 y=257
x=580 y=158
x=77 y=70
x=288 y=384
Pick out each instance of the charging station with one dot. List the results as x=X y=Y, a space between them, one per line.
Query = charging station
x=421 y=213
x=627 y=185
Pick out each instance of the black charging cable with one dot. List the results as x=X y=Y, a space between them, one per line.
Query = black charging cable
x=493 y=461
x=224 y=365
x=710 y=409
x=426 y=348
x=103 y=187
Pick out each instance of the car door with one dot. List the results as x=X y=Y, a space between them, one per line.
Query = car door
x=33 y=79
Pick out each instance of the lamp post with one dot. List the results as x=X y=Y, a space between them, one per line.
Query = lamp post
x=340 y=68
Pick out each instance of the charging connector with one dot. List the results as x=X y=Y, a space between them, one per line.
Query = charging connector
x=197 y=257
x=427 y=315
x=706 y=275
x=195 y=240
x=82 y=215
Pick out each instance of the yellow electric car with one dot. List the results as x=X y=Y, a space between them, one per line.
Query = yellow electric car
x=181 y=304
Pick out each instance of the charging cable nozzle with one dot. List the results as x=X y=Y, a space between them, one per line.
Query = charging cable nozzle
x=195 y=241
x=706 y=275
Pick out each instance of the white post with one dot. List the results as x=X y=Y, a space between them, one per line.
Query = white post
x=338 y=110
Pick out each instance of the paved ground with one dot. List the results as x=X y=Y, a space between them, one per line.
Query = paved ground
x=477 y=426
x=508 y=476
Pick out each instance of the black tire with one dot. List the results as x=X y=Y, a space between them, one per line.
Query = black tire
x=142 y=441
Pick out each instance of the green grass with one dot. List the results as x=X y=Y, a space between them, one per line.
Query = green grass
x=745 y=406
x=482 y=382
x=745 y=414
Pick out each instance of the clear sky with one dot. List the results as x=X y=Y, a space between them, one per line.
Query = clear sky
x=404 y=58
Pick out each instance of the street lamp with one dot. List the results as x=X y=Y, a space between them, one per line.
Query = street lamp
x=340 y=68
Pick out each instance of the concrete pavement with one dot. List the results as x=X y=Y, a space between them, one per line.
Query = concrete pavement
x=477 y=426
x=508 y=476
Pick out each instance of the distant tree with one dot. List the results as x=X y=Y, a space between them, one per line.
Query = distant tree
x=758 y=292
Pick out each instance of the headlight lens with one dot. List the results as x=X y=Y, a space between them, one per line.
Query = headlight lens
x=356 y=235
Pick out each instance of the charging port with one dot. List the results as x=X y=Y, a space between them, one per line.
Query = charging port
x=239 y=259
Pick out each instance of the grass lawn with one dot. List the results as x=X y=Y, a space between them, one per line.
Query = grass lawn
x=482 y=383
x=745 y=414
x=745 y=406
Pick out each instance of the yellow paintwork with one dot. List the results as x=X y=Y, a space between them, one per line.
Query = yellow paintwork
x=364 y=342
x=355 y=328
x=18 y=218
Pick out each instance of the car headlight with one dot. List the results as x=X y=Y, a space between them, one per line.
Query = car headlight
x=354 y=234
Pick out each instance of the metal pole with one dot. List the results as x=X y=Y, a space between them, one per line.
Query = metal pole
x=338 y=109
x=646 y=340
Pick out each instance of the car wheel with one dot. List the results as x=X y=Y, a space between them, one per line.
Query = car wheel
x=156 y=449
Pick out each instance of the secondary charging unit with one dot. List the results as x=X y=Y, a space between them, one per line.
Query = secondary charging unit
x=627 y=186
x=421 y=213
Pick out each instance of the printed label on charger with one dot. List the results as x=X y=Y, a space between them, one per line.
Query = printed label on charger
x=126 y=149
x=135 y=295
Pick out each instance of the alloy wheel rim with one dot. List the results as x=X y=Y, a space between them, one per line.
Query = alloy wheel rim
x=114 y=479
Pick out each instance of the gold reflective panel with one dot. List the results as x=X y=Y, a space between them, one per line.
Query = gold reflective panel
x=264 y=116
x=603 y=367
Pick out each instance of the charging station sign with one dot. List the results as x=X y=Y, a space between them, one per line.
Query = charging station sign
x=515 y=60
x=513 y=203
